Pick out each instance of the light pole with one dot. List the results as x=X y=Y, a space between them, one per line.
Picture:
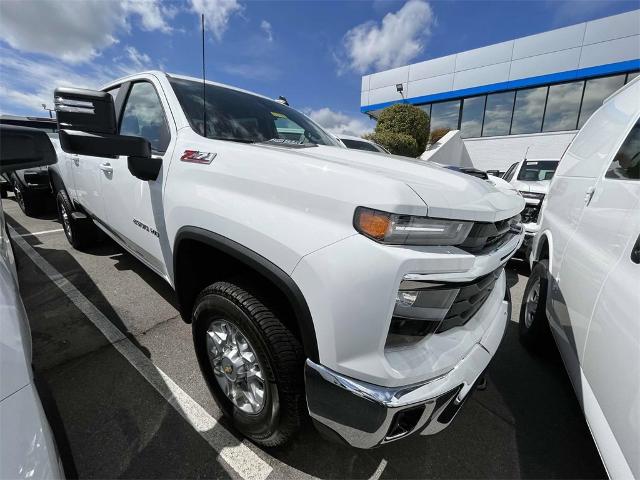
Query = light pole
x=44 y=106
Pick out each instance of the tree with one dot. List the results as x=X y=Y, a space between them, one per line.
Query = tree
x=402 y=129
x=437 y=134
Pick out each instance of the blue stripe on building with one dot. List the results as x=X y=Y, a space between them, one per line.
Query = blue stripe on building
x=569 y=75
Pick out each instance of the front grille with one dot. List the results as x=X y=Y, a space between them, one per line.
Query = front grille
x=530 y=213
x=485 y=237
x=469 y=300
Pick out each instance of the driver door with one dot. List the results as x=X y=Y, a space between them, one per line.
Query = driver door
x=134 y=207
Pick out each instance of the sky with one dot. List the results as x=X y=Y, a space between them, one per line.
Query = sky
x=312 y=52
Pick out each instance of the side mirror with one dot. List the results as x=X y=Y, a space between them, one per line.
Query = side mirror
x=23 y=147
x=87 y=125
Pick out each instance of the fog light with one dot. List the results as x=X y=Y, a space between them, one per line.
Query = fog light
x=419 y=309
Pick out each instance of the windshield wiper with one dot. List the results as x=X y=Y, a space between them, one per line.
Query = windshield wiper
x=233 y=139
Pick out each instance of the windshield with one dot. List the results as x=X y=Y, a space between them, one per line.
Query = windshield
x=243 y=117
x=537 y=170
x=360 y=145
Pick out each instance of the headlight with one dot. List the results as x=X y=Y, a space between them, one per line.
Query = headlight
x=532 y=198
x=394 y=229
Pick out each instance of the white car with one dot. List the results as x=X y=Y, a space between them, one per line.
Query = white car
x=531 y=178
x=585 y=279
x=359 y=143
x=369 y=292
x=27 y=446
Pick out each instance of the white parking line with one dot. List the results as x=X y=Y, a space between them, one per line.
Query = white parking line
x=41 y=233
x=236 y=454
x=379 y=470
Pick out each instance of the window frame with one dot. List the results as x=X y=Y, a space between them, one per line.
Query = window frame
x=453 y=100
x=515 y=91
x=121 y=104
x=546 y=105
x=484 y=107
x=544 y=108
x=484 y=115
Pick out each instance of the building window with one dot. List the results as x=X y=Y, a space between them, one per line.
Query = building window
x=445 y=115
x=497 y=115
x=472 y=114
x=595 y=91
x=426 y=108
x=528 y=110
x=563 y=104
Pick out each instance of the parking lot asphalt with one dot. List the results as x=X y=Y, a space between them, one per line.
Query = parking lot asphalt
x=121 y=386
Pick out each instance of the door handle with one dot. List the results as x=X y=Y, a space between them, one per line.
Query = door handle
x=76 y=159
x=106 y=167
x=589 y=195
x=635 y=251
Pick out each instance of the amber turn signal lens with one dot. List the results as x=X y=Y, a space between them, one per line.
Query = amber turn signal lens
x=374 y=224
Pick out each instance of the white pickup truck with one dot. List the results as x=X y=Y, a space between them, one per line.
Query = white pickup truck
x=366 y=289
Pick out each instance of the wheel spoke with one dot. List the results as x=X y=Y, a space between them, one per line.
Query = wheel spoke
x=235 y=366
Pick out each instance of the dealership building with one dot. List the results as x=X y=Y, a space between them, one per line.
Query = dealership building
x=524 y=96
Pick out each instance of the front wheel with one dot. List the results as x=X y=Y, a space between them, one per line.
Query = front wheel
x=81 y=233
x=534 y=326
x=251 y=361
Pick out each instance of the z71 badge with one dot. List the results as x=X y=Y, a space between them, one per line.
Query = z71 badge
x=194 y=156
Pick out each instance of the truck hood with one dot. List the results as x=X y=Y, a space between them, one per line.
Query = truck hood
x=541 y=186
x=447 y=193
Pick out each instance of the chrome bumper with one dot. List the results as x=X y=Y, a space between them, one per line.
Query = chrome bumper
x=366 y=415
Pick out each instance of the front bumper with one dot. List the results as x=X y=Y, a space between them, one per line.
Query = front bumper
x=367 y=415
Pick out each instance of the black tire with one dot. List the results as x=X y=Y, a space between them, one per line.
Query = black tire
x=30 y=202
x=279 y=354
x=81 y=234
x=534 y=325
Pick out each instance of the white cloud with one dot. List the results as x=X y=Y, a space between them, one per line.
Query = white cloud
x=75 y=31
x=216 y=14
x=138 y=59
x=267 y=29
x=152 y=14
x=338 y=122
x=397 y=40
x=26 y=83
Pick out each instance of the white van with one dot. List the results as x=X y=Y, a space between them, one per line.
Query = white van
x=585 y=279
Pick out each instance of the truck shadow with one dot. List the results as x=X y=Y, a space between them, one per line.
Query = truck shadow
x=108 y=419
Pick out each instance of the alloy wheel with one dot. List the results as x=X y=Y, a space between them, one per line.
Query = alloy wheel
x=19 y=197
x=66 y=223
x=531 y=305
x=236 y=366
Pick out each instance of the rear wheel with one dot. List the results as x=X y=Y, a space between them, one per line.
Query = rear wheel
x=80 y=232
x=534 y=326
x=252 y=363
